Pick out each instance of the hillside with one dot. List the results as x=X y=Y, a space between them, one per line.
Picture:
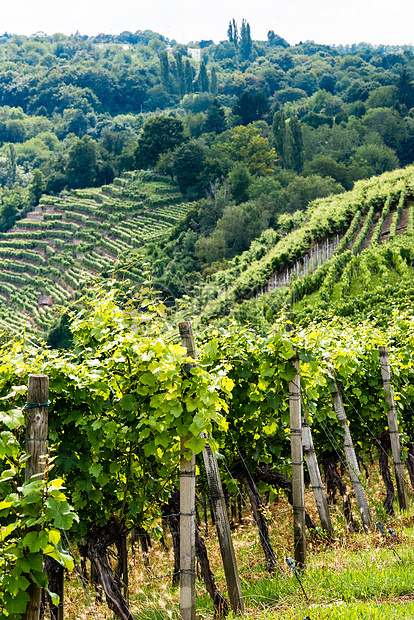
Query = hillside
x=251 y=133
x=347 y=244
x=48 y=255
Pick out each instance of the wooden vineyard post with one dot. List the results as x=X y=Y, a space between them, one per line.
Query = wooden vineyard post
x=349 y=450
x=187 y=535
x=223 y=531
x=36 y=446
x=298 y=483
x=217 y=500
x=393 y=429
x=316 y=478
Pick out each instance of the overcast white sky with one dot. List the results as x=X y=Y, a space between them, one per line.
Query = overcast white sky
x=324 y=21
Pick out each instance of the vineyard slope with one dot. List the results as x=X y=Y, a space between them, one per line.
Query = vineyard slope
x=64 y=242
x=374 y=220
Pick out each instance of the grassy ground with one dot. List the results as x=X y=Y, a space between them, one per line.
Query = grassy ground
x=356 y=576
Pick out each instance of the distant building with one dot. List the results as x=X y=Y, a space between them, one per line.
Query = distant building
x=34 y=215
x=45 y=300
x=194 y=53
x=123 y=46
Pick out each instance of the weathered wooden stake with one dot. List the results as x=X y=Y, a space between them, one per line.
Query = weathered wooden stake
x=316 y=478
x=187 y=534
x=298 y=484
x=393 y=429
x=223 y=531
x=187 y=509
x=217 y=500
x=36 y=446
x=350 y=455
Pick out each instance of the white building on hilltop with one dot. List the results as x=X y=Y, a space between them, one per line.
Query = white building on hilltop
x=194 y=53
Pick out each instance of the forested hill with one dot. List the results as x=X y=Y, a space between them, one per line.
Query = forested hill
x=352 y=105
x=244 y=134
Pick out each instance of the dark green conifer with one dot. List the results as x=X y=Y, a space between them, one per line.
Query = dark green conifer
x=295 y=142
x=180 y=74
x=213 y=81
x=164 y=67
x=203 y=79
x=216 y=119
x=279 y=135
x=245 y=41
x=188 y=77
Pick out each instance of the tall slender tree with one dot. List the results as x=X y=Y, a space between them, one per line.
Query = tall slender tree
x=36 y=187
x=405 y=89
x=279 y=135
x=230 y=32
x=180 y=74
x=216 y=118
x=165 y=69
x=213 y=81
x=188 y=77
x=235 y=33
x=11 y=164
x=245 y=41
x=203 y=78
x=295 y=144
x=81 y=169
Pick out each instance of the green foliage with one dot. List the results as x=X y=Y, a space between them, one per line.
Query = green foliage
x=81 y=168
x=260 y=369
x=36 y=187
x=32 y=512
x=246 y=46
x=188 y=164
x=215 y=120
x=295 y=145
x=13 y=203
x=248 y=146
x=251 y=106
x=159 y=135
x=279 y=134
x=203 y=79
x=123 y=397
x=240 y=180
x=188 y=77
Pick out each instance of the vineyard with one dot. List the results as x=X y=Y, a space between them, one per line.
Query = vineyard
x=207 y=364
x=126 y=402
x=49 y=255
x=318 y=350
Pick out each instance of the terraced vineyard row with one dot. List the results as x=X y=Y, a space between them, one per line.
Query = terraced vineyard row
x=48 y=256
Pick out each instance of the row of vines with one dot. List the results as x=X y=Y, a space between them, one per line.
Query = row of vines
x=122 y=399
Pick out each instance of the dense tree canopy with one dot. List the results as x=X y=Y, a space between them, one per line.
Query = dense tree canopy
x=159 y=135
